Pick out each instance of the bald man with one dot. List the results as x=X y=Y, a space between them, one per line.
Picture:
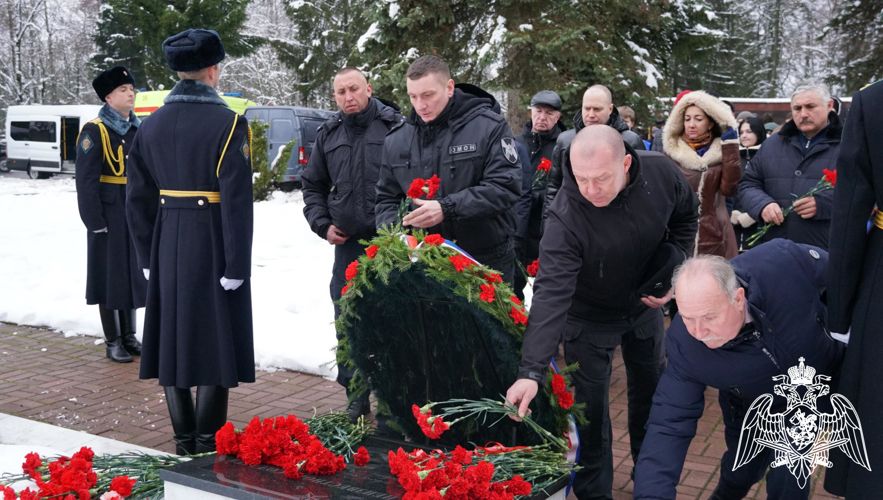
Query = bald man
x=338 y=184
x=623 y=221
x=597 y=109
x=740 y=324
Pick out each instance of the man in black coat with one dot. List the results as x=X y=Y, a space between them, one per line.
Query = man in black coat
x=113 y=278
x=340 y=182
x=790 y=163
x=454 y=134
x=190 y=210
x=855 y=287
x=597 y=109
x=538 y=136
x=623 y=221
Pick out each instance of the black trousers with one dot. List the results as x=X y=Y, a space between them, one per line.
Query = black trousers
x=344 y=255
x=643 y=351
x=505 y=265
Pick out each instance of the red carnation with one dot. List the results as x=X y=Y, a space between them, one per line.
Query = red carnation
x=122 y=485
x=432 y=186
x=344 y=289
x=545 y=165
x=416 y=189
x=487 y=293
x=493 y=278
x=372 y=251
x=460 y=262
x=533 y=268
x=558 y=384
x=361 y=457
x=225 y=439
x=565 y=400
x=830 y=176
x=32 y=462
x=515 y=299
x=434 y=240
x=517 y=486
x=352 y=270
x=518 y=317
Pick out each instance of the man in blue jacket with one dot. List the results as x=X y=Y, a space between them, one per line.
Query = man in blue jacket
x=740 y=323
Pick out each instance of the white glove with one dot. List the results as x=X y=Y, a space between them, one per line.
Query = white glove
x=734 y=217
x=100 y=231
x=146 y=274
x=230 y=284
x=745 y=220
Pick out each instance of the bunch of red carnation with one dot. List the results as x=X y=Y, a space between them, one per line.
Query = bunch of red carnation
x=285 y=442
x=540 y=175
x=559 y=390
x=432 y=426
x=533 y=268
x=419 y=187
x=517 y=313
x=451 y=476
x=69 y=479
x=352 y=271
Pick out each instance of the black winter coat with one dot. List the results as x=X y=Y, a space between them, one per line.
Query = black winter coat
x=561 y=154
x=540 y=146
x=473 y=152
x=593 y=260
x=784 y=166
x=113 y=278
x=195 y=332
x=340 y=179
x=856 y=285
x=783 y=282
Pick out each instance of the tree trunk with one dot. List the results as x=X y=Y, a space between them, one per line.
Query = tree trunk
x=517 y=114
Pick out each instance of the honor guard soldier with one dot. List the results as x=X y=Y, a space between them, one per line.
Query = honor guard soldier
x=113 y=278
x=191 y=213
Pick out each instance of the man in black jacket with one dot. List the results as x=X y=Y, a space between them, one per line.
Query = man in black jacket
x=339 y=184
x=453 y=133
x=538 y=136
x=623 y=221
x=597 y=109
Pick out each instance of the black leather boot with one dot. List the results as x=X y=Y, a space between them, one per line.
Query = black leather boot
x=127 y=332
x=211 y=415
x=114 y=344
x=180 y=403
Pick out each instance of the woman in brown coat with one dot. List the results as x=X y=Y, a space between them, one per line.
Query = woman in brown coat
x=692 y=139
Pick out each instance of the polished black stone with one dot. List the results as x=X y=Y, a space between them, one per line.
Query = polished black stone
x=228 y=476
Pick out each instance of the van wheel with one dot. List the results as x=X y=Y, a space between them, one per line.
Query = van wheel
x=38 y=175
x=4 y=167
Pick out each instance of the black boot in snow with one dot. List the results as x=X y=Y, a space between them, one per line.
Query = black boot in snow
x=113 y=342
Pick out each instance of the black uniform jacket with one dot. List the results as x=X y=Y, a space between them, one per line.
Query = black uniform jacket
x=191 y=213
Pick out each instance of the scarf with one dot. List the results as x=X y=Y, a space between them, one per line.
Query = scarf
x=115 y=121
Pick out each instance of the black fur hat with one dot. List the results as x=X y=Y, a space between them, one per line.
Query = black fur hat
x=110 y=79
x=193 y=50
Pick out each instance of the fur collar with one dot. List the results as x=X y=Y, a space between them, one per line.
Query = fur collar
x=834 y=130
x=194 y=91
x=115 y=121
x=678 y=150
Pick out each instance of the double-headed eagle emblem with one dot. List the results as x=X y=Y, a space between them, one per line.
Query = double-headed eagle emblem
x=801 y=435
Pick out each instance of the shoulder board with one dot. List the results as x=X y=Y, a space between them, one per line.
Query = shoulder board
x=96 y=121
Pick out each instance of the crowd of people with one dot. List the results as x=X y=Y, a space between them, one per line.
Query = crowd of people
x=621 y=227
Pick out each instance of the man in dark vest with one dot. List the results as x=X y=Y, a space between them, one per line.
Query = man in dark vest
x=190 y=210
x=113 y=279
x=339 y=185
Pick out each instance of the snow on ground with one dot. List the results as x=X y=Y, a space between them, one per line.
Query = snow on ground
x=43 y=273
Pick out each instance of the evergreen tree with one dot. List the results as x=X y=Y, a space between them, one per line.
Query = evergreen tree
x=857 y=32
x=131 y=32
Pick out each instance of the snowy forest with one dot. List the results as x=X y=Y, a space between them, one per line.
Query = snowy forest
x=285 y=52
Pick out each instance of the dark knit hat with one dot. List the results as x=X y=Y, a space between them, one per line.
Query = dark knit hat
x=193 y=50
x=110 y=79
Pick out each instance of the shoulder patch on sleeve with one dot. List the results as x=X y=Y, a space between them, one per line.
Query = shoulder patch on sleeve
x=86 y=143
x=245 y=149
x=509 y=149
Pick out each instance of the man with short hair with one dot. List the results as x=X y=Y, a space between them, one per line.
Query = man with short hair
x=190 y=208
x=539 y=136
x=113 y=278
x=453 y=133
x=623 y=221
x=597 y=108
x=628 y=116
x=339 y=185
x=791 y=163
x=740 y=324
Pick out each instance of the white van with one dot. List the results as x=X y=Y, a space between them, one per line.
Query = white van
x=42 y=140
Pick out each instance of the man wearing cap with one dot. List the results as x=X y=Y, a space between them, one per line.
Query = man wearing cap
x=113 y=278
x=190 y=210
x=538 y=136
x=613 y=237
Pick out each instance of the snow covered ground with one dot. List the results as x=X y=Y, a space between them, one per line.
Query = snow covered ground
x=43 y=273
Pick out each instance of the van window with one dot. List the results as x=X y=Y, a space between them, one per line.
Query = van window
x=19 y=130
x=42 y=132
x=262 y=115
x=311 y=129
x=281 y=130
